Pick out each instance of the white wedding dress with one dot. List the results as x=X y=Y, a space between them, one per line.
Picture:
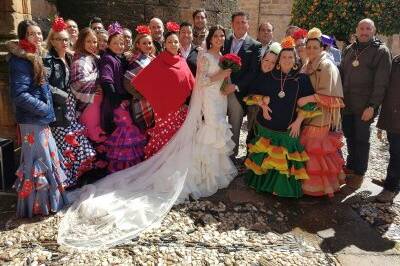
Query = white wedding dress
x=194 y=162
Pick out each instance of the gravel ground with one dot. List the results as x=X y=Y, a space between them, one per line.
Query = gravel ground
x=200 y=233
x=196 y=233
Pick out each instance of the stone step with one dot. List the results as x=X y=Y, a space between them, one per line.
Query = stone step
x=3 y=46
x=3 y=56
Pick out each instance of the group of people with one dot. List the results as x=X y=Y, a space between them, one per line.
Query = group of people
x=162 y=118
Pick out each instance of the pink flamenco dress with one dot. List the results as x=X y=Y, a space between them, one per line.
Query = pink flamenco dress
x=125 y=146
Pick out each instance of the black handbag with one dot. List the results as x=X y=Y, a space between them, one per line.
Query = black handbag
x=7 y=164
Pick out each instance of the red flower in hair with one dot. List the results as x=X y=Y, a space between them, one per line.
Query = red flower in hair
x=172 y=26
x=300 y=34
x=59 y=24
x=143 y=29
x=27 y=46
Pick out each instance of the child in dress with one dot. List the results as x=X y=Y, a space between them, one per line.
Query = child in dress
x=124 y=147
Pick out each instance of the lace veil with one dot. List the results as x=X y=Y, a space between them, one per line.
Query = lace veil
x=120 y=206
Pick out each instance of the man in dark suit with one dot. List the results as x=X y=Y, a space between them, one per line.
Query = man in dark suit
x=188 y=50
x=249 y=50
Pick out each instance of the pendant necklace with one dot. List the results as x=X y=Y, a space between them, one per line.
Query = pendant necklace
x=281 y=93
x=356 y=62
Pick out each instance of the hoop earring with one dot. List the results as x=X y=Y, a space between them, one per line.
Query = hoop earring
x=295 y=67
x=278 y=66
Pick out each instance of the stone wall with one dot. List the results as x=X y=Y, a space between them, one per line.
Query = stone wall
x=252 y=7
x=278 y=12
x=133 y=12
x=11 y=13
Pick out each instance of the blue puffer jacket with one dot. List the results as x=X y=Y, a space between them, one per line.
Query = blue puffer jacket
x=33 y=103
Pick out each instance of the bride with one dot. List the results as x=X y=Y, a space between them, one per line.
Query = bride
x=194 y=162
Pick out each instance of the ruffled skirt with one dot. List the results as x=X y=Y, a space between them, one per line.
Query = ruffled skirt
x=326 y=163
x=40 y=178
x=77 y=151
x=276 y=163
x=125 y=146
x=164 y=129
x=213 y=169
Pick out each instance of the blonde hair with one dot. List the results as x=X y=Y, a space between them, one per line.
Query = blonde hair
x=137 y=39
x=50 y=37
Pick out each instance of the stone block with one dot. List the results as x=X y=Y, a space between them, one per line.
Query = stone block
x=18 y=6
x=9 y=23
x=152 y=11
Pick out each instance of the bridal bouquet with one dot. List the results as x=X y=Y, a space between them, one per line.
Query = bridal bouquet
x=229 y=61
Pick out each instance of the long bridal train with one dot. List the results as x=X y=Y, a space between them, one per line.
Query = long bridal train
x=122 y=205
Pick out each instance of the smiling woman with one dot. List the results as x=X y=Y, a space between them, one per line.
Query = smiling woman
x=75 y=147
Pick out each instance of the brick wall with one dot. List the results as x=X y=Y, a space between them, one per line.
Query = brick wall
x=11 y=13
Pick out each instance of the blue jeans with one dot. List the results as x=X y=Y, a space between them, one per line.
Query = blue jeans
x=392 y=182
x=357 y=133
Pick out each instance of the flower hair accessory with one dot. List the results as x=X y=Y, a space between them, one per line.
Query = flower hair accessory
x=275 y=48
x=299 y=34
x=115 y=28
x=288 y=43
x=172 y=26
x=314 y=33
x=27 y=46
x=59 y=24
x=143 y=29
x=327 y=40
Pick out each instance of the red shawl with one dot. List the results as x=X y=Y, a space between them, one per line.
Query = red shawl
x=166 y=83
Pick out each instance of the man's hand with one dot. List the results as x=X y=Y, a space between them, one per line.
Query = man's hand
x=379 y=135
x=229 y=89
x=367 y=114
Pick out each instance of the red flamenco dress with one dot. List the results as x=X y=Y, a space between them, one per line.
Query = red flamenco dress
x=166 y=83
x=321 y=136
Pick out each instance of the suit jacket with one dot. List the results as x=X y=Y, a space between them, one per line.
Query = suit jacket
x=250 y=53
x=158 y=46
x=191 y=60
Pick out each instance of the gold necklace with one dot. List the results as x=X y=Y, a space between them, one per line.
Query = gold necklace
x=356 y=62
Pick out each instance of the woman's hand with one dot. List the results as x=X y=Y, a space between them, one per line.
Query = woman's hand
x=124 y=104
x=222 y=74
x=307 y=99
x=226 y=73
x=295 y=128
x=263 y=103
